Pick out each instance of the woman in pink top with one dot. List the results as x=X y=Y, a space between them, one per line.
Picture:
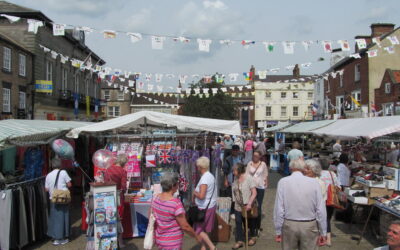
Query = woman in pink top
x=248 y=148
x=259 y=171
x=170 y=216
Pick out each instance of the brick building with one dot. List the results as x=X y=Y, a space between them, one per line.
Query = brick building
x=15 y=79
x=357 y=78
x=73 y=88
x=387 y=96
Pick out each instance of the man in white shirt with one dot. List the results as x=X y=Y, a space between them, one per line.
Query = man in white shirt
x=299 y=213
x=393 y=237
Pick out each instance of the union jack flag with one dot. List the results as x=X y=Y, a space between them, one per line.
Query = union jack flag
x=164 y=156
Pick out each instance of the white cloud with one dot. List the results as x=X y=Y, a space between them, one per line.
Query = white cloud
x=137 y=21
x=376 y=14
x=216 y=5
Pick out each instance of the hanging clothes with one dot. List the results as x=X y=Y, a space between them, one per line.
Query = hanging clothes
x=33 y=163
x=9 y=156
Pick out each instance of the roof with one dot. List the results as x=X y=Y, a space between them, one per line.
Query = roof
x=306 y=127
x=11 y=41
x=275 y=78
x=394 y=75
x=361 y=52
x=23 y=12
x=33 y=132
x=138 y=119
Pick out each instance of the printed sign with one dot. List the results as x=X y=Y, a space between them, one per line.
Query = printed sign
x=42 y=86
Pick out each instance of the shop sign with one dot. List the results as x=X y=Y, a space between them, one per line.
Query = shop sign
x=42 y=86
x=164 y=132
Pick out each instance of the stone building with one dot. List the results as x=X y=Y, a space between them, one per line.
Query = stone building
x=16 y=80
x=74 y=89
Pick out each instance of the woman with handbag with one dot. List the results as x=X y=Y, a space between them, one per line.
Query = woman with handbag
x=206 y=202
x=244 y=197
x=169 y=215
x=329 y=178
x=259 y=171
x=57 y=184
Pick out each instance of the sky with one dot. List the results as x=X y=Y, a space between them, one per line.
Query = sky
x=259 y=20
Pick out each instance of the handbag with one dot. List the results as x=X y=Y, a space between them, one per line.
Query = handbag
x=149 y=237
x=60 y=196
x=198 y=215
x=253 y=212
x=333 y=194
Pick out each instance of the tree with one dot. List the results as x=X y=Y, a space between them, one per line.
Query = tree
x=217 y=106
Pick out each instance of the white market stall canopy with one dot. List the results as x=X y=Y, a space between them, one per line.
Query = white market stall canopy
x=33 y=132
x=362 y=127
x=138 y=119
x=307 y=127
x=279 y=126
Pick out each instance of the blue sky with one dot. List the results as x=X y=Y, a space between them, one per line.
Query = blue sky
x=270 y=20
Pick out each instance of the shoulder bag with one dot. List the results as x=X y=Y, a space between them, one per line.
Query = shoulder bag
x=60 y=196
x=334 y=195
x=198 y=215
x=149 y=237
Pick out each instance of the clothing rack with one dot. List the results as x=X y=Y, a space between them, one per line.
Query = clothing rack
x=7 y=186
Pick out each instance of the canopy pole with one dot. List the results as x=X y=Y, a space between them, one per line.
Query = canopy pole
x=145 y=125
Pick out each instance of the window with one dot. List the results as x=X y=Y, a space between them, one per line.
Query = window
x=120 y=96
x=107 y=95
x=388 y=109
x=357 y=72
x=295 y=111
x=7 y=59
x=76 y=84
x=283 y=94
x=310 y=95
x=283 y=111
x=22 y=100
x=22 y=65
x=113 y=111
x=387 y=88
x=295 y=95
x=49 y=70
x=64 y=80
x=268 y=94
x=357 y=96
x=341 y=80
x=268 y=111
x=6 y=100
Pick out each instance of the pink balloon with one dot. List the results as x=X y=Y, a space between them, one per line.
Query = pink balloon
x=103 y=158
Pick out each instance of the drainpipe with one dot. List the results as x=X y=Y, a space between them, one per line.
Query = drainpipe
x=33 y=89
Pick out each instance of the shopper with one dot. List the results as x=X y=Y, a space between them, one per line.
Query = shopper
x=259 y=171
x=117 y=174
x=244 y=194
x=239 y=142
x=248 y=150
x=337 y=149
x=205 y=195
x=295 y=153
x=329 y=178
x=59 y=227
x=393 y=237
x=228 y=143
x=299 y=213
x=343 y=171
x=170 y=215
x=313 y=170
x=230 y=161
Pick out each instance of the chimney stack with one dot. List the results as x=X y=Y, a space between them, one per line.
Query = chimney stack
x=296 y=71
x=379 y=29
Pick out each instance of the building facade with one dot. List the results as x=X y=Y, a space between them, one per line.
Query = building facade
x=15 y=79
x=387 y=96
x=350 y=84
x=283 y=98
x=74 y=89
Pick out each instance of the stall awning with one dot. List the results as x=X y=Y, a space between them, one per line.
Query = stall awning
x=31 y=132
x=362 y=127
x=161 y=119
x=307 y=127
x=279 y=126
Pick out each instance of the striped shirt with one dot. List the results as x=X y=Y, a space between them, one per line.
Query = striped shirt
x=168 y=233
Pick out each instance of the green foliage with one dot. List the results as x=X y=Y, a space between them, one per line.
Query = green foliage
x=217 y=106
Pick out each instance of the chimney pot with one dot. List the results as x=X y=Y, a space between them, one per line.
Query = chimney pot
x=379 y=29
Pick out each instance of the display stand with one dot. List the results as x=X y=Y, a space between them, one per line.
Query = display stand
x=105 y=215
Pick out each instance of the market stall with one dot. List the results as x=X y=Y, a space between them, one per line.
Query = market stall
x=24 y=163
x=155 y=143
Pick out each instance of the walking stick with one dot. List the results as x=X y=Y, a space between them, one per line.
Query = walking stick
x=246 y=229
